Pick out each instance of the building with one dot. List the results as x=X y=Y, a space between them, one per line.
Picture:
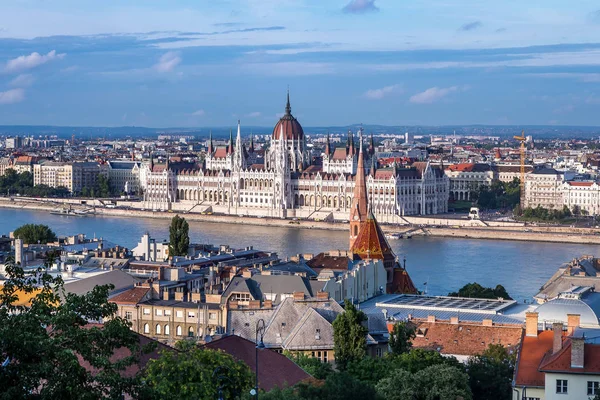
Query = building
x=508 y=172
x=582 y=195
x=149 y=250
x=583 y=272
x=73 y=176
x=14 y=142
x=287 y=183
x=559 y=363
x=543 y=187
x=124 y=176
x=468 y=177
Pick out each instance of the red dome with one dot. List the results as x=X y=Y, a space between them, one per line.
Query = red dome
x=292 y=130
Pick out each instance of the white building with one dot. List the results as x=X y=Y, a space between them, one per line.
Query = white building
x=468 y=177
x=149 y=250
x=286 y=184
x=585 y=195
x=543 y=187
x=124 y=174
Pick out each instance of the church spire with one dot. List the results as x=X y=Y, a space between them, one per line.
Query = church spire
x=327 y=147
x=288 y=108
x=210 y=143
x=359 y=209
x=230 y=146
x=251 y=149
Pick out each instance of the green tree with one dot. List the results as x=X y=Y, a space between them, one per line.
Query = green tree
x=190 y=374
x=419 y=359
x=47 y=341
x=349 y=335
x=397 y=386
x=475 y=290
x=34 y=233
x=401 y=337
x=103 y=186
x=179 y=239
x=491 y=373
x=315 y=367
x=371 y=370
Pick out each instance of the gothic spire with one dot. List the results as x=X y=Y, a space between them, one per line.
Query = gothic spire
x=210 y=143
x=372 y=146
x=327 y=146
x=230 y=147
x=288 y=108
x=359 y=209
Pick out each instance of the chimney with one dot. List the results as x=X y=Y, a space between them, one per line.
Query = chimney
x=454 y=320
x=179 y=296
x=254 y=304
x=487 y=322
x=577 y=351
x=557 y=328
x=247 y=273
x=166 y=295
x=573 y=321
x=195 y=297
x=531 y=324
x=322 y=296
x=161 y=273
x=298 y=296
x=431 y=318
x=268 y=304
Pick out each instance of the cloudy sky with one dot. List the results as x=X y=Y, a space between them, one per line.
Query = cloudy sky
x=162 y=63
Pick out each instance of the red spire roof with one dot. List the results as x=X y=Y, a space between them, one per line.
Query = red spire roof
x=358 y=212
x=371 y=242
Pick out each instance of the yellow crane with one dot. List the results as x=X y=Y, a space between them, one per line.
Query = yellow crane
x=522 y=184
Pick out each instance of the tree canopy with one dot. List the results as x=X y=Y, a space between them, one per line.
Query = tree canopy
x=22 y=183
x=491 y=373
x=498 y=194
x=47 y=341
x=192 y=374
x=179 y=239
x=475 y=290
x=349 y=335
x=34 y=233
x=401 y=337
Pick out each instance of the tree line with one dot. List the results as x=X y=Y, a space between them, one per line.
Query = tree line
x=12 y=183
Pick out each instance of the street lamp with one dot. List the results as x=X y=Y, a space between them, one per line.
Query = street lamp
x=260 y=329
x=217 y=374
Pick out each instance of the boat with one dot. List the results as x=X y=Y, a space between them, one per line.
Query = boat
x=70 y=212
x=393 y=236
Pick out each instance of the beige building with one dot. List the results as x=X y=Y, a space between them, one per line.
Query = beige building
x=543 y=188
x=583 y=194
x=73 y=176
x=468 y=177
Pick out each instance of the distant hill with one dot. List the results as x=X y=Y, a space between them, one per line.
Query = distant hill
x=83 y=132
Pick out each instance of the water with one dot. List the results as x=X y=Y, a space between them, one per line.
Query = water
x=446 y=264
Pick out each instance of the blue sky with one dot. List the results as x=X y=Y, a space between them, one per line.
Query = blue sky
x=395 y=62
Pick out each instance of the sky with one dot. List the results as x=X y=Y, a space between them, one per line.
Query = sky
x=189 y=63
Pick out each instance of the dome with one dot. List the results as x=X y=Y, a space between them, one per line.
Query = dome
x=588 y=307
x=292 y=130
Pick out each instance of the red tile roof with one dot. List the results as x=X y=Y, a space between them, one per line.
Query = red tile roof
x=371 y=242
x=462 y=338
x=465 y=167
x=561 y=361
x=533 y=349
x=131 y=296
x=221 y=152
x=339 y=154
x=580 y=183
x=401 y=282
x=275 y=369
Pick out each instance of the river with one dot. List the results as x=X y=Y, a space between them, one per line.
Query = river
x=445 y=264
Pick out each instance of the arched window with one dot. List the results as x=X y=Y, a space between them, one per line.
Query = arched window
x=178 y=330
x=191 y=331
x=158 y=329
x=146 y=328
x=167 y=330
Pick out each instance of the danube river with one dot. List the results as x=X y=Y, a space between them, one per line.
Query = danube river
x=445 y=264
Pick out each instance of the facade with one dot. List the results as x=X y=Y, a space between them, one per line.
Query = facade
x=286 y=184
x=558 y=363
x=124 y=176
x=466 y=178
x=73 y=176
x=582 y=195
x=543 y=188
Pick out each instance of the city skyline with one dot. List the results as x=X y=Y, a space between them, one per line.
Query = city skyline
x=162 y=64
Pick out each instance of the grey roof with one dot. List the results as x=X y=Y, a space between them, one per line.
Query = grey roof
x=291 y=268
x=180 y=304
x=446 y=303
x=74 y=248
x=123 y=164
x=588 y=307
x=313 y=331
x=121 y=280
x=243 y=322
x=546 y=171
x=259 y=285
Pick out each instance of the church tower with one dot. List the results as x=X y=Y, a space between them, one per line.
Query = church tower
x=359 y=209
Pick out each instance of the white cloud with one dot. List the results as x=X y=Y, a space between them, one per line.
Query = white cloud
x=168 y=62
x=378 y=94
x=434 y=94
x=291 y=68
x=23 y=80
x=12 y=96
x=254 y=114
x=199 y=113
x=33 y=60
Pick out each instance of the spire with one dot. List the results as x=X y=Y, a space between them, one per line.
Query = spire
x=288 y=108
x=359 y=208
x=238 y=139
x=230 y=146
x=373 y=167
x=210 y=143
x=371 y=146
x=327 y=146
x=251 y=149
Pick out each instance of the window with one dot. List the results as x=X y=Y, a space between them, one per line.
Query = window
x=146 y=311
x=212 y=316
x=561 y=386
x=157 y=329
x=191 y=332
x=178 y=330
x=167 y=329
x=179 y=314
x=146 y=328
x=128 y=315
x=167 y=312
x=593 y=387
x=158 y=312
x=191 y=314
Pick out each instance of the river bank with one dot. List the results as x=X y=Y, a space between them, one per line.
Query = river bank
x=534 y=233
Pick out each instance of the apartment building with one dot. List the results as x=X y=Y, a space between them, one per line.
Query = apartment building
x=73 y=176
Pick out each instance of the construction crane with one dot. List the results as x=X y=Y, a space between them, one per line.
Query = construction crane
x=522 y=184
